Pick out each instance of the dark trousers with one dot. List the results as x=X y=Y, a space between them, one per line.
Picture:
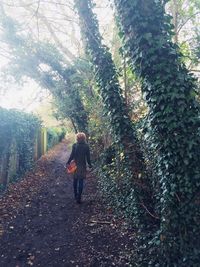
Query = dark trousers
x=78 y=187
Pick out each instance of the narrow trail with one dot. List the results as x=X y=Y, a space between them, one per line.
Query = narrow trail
x=42 y=225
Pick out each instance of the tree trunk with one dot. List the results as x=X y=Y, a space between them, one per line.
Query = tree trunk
x=125 y=81
x=174 y=118
x=107 y=80
x=74 y=126
x=174 y=10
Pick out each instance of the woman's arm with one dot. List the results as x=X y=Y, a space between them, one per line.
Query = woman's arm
x=72 y=154
x=88 y=157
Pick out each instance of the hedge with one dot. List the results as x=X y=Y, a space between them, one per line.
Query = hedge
x=54 y=136
x=18 y=132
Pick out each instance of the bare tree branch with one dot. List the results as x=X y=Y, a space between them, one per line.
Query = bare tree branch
x=66 y=51
x=187 y=20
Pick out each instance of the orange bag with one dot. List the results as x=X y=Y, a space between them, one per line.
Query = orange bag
x=71 y=168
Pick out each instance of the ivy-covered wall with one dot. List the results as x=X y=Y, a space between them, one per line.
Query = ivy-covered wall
x=22 y=141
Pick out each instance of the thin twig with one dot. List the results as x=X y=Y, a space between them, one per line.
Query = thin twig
x=100 y=222
x=177 y=197
x=152 y=215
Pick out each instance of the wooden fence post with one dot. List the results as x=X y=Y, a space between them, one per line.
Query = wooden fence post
x=4 y=167
x=13 y=160
x=40 y=143
x=44 y=140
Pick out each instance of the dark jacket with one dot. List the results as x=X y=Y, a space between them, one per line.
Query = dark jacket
x=81 y=154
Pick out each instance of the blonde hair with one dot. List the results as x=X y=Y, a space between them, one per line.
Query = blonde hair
x=80 y=137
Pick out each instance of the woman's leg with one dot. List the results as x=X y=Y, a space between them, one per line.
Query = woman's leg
x=80 y=189
x=75 y=184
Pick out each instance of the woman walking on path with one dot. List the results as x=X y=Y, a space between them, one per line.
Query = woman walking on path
x=80 y=154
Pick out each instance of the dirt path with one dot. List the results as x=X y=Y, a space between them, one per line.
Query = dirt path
x=42 y=225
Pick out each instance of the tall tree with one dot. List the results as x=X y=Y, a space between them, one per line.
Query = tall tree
x=111 y=93
x=169 y=90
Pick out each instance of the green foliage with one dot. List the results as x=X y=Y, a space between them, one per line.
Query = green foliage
x=18 y=132
x=54 y=136
x=114 y=183
x=120 y=191
x=174 y=127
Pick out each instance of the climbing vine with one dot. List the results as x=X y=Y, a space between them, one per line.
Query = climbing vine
x=170 y=92
x=114 y=104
